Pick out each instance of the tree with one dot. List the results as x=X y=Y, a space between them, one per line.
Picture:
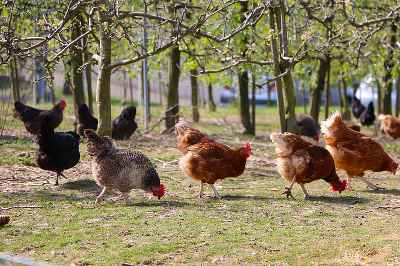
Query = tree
x=76 y=63
x=173 y=87
x=211 y=104
x=103 y=98
x=243 y=78
x=388 y=66
x=195 y=95
x=14 y=79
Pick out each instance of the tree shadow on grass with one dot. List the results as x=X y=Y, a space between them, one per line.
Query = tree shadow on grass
x=86 y=185
x=247 y=197
x=344 y=200
x=394 y=191
x=161 y=203
x=47 y=195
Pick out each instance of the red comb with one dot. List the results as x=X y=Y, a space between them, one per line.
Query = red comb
x=161 y=191
x=340 y=186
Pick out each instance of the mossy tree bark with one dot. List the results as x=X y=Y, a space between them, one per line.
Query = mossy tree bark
x=103 y=96
x=76 y=62
x=195 y=95
x=173 y=88
x=243 y=78
x=316 y=93
x=14 y=79
x=388 y=77
x=211 y=104
x=328 y=88
x=397 y=110
x=346 y=114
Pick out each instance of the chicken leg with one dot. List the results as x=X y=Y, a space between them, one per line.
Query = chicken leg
x=306 y=195
x=216 y=195
x=101 y=195
x=370 y=185
x=201 y=190
x=288 y=190
x=58 y=175
x=349 y=187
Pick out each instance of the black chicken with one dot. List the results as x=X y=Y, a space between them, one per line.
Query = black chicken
x=357 y=107
x=124 y=125
x=33 y=118
x=307 y=126
x=58 y=151
x=86 y=119
x=367 y=118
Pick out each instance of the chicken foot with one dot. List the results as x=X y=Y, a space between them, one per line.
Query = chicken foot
x=288 y=190
x=306 y=195
x=370 y=185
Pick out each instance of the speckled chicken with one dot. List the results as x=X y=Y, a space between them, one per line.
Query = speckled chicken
x=122 y=170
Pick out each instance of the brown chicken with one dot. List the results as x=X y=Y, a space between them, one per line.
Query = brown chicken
x=352 y=125
x=390 y=125
x=354 y=152
x=301 y=162
x=187 y=136
x=208 y=160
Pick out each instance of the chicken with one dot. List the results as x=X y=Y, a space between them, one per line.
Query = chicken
x=187 y=136
x=114 y=168
x=352 y=125
x=357 y=107
x=301 y=162
x=354 y=152
x=33 y=118
x=86 y=119
x=307 y=126
x=367 y=118
x=208 y=161
x=390 y=125
x=58 y=151
x=124 y=125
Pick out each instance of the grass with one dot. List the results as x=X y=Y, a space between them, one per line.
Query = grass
x=252 y=224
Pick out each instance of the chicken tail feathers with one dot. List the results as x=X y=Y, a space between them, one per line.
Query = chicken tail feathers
x=92 y=136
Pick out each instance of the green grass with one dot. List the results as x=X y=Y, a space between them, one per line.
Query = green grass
x=253 y=224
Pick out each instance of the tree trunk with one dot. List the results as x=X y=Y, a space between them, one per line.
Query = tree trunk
x=319 y=87
x=388 y=78
x=340 y=92
x=88 y=76
x=160 y=87
x=173 y=88
x=328 y=88
x=211 y=104
x=277 y=71
x=288 y=84
x=397 y=95
x=244 y=101
x=346 y=106
x=253 y=103
x=130 y=89
x=243 y=77
x=378 y=89
x=14 y=79
x=103 y=95
x=76 y=75
x=195 y=95
x=67 y=76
